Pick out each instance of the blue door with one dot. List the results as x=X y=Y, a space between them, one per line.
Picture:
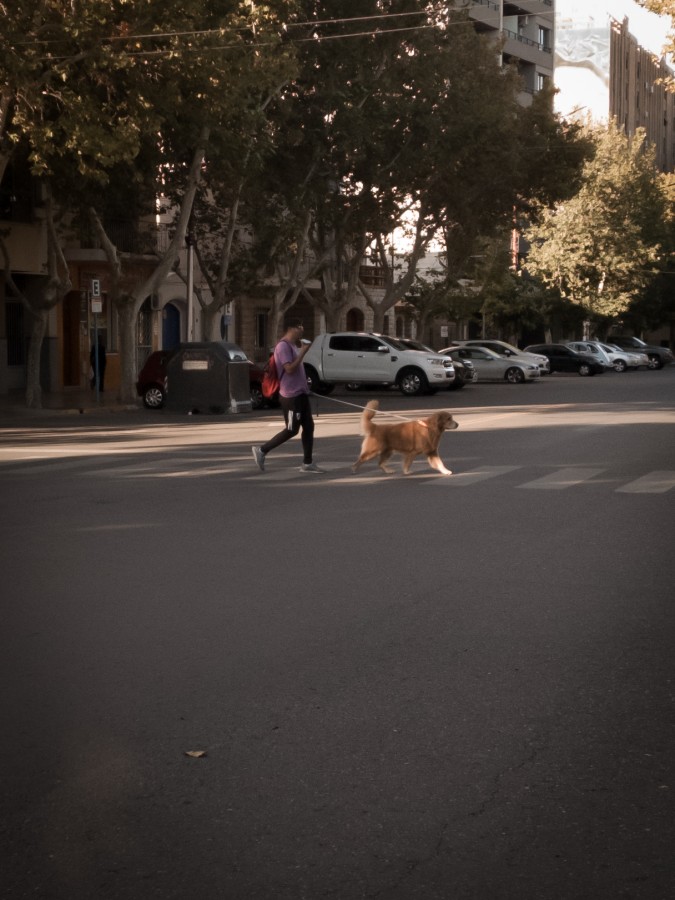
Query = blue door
x=170 y=327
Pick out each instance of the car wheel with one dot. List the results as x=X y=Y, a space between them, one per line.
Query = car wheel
x=620 y=365
x=412 y=382
x=153 y=397
x=655 y=362
x=514 y=375
x=257 y=398
x=316 y=386
x=585 y=369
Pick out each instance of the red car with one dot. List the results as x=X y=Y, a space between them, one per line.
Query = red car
x=151 y=384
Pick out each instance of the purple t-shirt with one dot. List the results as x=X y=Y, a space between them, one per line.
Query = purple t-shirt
x=296 y=383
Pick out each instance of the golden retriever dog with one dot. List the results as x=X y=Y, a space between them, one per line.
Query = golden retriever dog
x=411 y=439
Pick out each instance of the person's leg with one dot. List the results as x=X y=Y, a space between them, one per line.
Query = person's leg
x=307 y=424
x=292 y=425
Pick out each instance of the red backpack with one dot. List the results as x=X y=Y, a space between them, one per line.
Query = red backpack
x=270 y=382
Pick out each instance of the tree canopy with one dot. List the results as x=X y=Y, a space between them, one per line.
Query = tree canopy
x=602 y=247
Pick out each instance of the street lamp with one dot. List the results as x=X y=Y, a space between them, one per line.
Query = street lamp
x=189 y=240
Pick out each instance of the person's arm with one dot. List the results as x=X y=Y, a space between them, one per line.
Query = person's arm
x=290 y=366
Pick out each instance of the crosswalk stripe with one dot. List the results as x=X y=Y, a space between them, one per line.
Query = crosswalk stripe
x=654 y=483
x=482 y=473
x=561 y=479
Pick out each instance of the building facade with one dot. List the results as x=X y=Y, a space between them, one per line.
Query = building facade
x=526 y=30
x=602 y=72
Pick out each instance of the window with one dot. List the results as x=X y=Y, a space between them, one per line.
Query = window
x=545 y=38
x=343 y=342
x=14 y=325
x=261 y=331
x=368 y=345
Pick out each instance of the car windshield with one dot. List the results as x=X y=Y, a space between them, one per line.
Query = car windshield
x=416 y=345
x=501 y=346
x=397 y=345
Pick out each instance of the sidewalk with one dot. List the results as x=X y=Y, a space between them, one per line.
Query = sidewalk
x=71 y=401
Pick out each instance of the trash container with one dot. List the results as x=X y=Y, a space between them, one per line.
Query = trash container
x=202 y=377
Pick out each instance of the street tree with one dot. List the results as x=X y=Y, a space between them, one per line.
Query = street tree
x=602 y=247
x=49 y=113
x=391 y=116
x=121 y=101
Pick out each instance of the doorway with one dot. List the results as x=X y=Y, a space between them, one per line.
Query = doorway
x=170 y=327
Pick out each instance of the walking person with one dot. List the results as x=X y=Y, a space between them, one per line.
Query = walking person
x=293 y=397
x=97 y=358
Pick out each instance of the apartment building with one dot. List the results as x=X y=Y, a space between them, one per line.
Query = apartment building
x=527 y=29
x=603 y=72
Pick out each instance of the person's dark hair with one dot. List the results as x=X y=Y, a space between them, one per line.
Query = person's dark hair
x=294 y=322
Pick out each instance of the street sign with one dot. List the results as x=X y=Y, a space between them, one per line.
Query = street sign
x=95 y=287
x=96 y=305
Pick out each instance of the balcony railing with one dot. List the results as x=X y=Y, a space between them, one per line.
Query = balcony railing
x=375 y=276
x=136 y=238
x=525 y=40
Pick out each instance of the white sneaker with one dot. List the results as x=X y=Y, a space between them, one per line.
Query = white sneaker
x=312 y=467
x=259 y=458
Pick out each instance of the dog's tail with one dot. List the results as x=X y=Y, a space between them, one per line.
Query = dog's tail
x=368 y=415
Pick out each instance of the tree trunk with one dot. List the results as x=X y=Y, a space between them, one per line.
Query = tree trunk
x=33 y=387
x=210 y=317
x=128 y=323
x=378 y=318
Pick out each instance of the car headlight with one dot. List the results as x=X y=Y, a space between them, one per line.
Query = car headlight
x=446 y=363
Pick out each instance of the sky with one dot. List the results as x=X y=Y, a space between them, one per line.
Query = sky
x=649 y=29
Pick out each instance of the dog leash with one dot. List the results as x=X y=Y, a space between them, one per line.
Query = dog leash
x=377 y=412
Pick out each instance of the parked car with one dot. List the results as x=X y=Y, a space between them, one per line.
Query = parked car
x=350 y=357
x=625 y=359
x=594 y=349
x=493 y=367
x=465 y=371
x=509 y=351
x=611 y=357
x=563 y=359
x=658 y=356
x=151 y=384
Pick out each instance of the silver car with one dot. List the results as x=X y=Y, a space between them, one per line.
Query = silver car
x=509 y=351
x=493 y=367
x=610 y=357
x=592 y=348
x=625 y=359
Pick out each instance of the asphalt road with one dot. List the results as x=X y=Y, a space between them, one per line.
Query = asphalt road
x=405 y=688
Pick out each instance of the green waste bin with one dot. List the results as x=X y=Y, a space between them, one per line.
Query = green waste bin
x=208 y=377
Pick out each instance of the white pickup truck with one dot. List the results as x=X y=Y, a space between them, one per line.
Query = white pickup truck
x=352 y=356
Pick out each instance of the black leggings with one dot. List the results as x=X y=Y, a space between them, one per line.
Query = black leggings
x=297 y=415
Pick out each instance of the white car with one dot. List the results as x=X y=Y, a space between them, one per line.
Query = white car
x=348 y=357
x=509 y=351
x=625 y=359
x=493 y=367
x=612 y=357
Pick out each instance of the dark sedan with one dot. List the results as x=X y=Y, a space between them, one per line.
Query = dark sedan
x=564 y=359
